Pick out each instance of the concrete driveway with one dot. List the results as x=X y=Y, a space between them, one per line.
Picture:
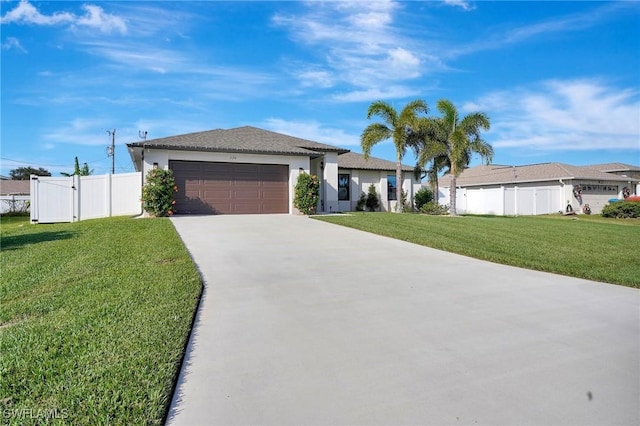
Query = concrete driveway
x=303 y=322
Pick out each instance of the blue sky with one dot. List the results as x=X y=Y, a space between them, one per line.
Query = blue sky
x=559 y=80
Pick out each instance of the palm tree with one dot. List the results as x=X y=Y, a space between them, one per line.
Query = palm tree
x=394 y=126
x=457 y=140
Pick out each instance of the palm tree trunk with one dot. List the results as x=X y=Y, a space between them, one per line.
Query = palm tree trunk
x=452 y=196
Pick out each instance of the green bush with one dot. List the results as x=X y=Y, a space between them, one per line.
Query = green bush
x=372 y=202
x=157 y=193
x=422 y=197
x=307 y=192
x=362 y=201
x=407 y=206
x=622 y=209
x=434 y=208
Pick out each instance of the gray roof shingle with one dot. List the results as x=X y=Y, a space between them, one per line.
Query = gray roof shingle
x=352 y=160
x=494 y=174
x=241 y=139
x=15 y=187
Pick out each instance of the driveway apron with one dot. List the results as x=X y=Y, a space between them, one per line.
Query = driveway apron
x=305 y=322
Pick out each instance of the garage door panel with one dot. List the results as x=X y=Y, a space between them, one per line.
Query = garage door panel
x=232 y=188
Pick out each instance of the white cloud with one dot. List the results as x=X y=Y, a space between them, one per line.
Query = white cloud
x=311 y=130
x=81 y=131
x=462 y=4
x=94 y=17
x=13 y=43
x=564 y=115
x=359 y=44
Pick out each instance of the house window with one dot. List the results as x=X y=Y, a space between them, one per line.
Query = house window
x=391 y=187
x=343 y=187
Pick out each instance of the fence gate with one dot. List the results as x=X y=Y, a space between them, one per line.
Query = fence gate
x=52 y=199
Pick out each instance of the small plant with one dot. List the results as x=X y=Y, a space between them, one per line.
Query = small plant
x=372 y=202
x=307 y=192
x=407 y=207
x=157 y=193
x=422 y=197
x=362 y=201
x=622 y=209
x=434 y=208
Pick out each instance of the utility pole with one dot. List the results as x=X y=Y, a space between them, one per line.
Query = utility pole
x=111 y=150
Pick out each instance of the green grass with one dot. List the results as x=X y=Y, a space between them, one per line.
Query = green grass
x=588 y=247
x=94 y=320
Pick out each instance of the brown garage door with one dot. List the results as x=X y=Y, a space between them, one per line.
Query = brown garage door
x=230 y=188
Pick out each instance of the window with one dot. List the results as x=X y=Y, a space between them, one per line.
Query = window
x=343 y=187
x=391 y=187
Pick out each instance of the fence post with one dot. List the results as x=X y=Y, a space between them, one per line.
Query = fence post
x=33 y=198
x=75 y=198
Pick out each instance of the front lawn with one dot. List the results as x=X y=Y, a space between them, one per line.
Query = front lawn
x=587 y=247
x=94 y=320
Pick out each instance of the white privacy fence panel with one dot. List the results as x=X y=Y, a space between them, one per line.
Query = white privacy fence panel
x=93 y=192
x=126 y=191
x=70 y=199
x=52 y=199
x=507 y=201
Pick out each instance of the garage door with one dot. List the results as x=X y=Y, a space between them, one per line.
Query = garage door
x=230 y=188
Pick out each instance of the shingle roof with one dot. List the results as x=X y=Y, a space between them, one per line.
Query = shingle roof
x=241 y=139
x=494 y=174
x=352 y=160
x=17 y=187
x=614 y=167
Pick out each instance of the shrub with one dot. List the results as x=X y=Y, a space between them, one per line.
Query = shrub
x=434 y=208
x=157 y=193
x=622 y=209
x=360 y=205
x=13 y=207
x=372 y=202
x=307 y=192
x=422 y=197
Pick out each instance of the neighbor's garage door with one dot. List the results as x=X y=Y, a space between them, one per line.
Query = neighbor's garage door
x=230 y=188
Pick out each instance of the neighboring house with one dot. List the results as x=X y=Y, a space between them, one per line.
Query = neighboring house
x=14 y=187
x=14 y=195
x=538 y=188
x=250 y=170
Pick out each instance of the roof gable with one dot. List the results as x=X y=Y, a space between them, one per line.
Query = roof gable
x=241 y=139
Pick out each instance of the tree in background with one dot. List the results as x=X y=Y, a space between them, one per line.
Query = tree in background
x=78 y=171
x=457 y=140
x=396 y=127
x=23 y=173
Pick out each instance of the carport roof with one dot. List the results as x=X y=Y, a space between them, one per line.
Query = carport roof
x=245 y=139
x=352 y=160
x=494 y=174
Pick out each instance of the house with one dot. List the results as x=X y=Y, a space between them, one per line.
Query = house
x=247 y=170
x=539 y=188
x=14 y=196
x=14 y=187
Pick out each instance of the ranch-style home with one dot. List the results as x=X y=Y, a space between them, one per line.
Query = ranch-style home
x=247 y=170
x=540 y=188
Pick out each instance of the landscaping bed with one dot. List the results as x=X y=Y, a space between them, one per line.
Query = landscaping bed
x=94 y=320
x=594 y=248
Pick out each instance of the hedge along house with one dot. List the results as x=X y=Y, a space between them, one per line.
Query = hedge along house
x=536 y=189
x=246 y=170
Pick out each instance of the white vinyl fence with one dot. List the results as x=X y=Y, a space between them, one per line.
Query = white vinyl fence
x=14 y=203
x=507 y=201
x=74 y=198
